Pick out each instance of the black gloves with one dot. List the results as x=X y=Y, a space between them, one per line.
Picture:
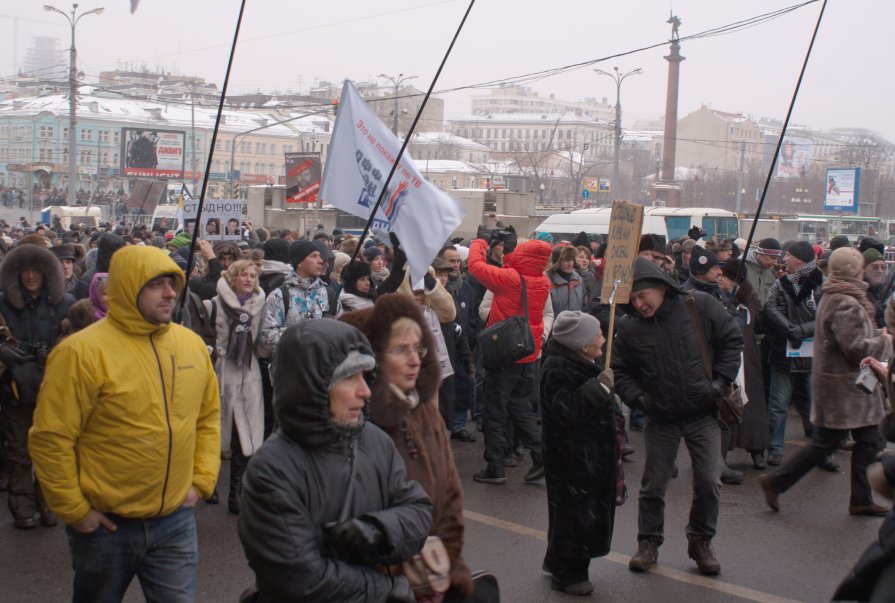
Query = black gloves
x=400 y=257
x=401 y=591
x=720 y=387
x=429 y=282
x=10 y=355
x=356 y=541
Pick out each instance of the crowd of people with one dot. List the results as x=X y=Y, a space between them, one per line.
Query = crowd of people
x=334 y=385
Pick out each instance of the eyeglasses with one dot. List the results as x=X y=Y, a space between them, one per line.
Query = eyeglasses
x=406 y=351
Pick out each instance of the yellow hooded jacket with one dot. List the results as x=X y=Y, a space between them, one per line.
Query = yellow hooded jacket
x=128 y=416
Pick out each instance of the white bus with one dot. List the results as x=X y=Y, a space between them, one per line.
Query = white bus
x=670 y=222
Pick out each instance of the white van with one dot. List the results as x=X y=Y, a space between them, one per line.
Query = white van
x=72 y=214
x=670 y=222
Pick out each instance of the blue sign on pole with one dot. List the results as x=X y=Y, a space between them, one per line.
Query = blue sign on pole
x=585 y=194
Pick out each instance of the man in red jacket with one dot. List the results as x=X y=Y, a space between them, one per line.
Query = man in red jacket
x=509 y=390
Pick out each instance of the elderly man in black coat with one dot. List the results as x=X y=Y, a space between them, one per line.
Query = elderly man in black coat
x=658 y=367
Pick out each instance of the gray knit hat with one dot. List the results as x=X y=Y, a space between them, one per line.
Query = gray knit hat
x=575 y=329
x=354 y=363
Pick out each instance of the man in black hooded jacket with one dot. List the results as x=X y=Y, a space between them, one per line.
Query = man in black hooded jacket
x=658 y=367
x=326 y=498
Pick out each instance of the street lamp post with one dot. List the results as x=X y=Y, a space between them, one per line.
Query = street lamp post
x=618 y=77
x=396 y=82
x=72 y=94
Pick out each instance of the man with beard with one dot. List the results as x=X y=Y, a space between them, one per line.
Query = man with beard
x=875 y=277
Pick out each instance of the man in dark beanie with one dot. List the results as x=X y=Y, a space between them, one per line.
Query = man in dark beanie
x=705 y=272
x=839 y=241
x=304 y=295
x=875 y=277
x=658 y=367
x=107 y=245
x=789 y=314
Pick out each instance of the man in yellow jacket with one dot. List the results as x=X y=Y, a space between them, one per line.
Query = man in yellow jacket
x=126 y=437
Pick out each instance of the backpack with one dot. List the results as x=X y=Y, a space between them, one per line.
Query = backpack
x=206 y=329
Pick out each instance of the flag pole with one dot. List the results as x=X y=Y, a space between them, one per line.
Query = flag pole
x=742 y=265
x=611 y=332
x=214 y=136
x=416 y=120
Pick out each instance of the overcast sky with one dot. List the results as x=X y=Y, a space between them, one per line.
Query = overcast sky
x=289 y=45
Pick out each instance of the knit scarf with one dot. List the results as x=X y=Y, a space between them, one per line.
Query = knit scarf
x=852 y=288
x=239 y=346
x=798 y=278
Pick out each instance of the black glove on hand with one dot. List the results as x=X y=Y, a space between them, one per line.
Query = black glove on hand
x=400 y=257
x=696 y=233
x=355 y=541
x=401 y=591
x=10 y=356
x=720 y=387
x=429 y=282
x=795 y=335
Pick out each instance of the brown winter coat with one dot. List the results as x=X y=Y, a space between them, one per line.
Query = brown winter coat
x=844 y=334
x=419 y=433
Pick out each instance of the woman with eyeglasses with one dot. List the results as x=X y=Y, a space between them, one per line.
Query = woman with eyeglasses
x=404 y=404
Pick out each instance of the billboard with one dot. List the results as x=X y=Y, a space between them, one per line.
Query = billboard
x=152 y=153
x=221 y=218
x=302 y=177
x=842 y=189
x=795 y=155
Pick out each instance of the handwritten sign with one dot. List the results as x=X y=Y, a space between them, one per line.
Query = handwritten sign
x=625 y=227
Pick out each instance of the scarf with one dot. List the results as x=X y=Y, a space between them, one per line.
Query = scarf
x=798 y=278
x=240 y=345
x=852 y=288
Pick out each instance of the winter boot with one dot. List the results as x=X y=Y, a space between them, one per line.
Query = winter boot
x=646 y=556
x=700 y=550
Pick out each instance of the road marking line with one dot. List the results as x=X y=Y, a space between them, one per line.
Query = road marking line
x=674 y=574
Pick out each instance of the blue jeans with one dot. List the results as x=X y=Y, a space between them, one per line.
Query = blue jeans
x=703 y=440
x=163 y=553
x=782 y=385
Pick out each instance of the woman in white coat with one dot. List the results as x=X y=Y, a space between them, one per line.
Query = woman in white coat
x=237 y=315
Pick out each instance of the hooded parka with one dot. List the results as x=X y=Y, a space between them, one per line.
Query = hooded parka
x=128 y=417
x=297 y=482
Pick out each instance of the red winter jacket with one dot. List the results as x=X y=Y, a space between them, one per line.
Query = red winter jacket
x=528 y=259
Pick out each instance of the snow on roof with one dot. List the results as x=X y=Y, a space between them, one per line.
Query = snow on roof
x=734 y=117
x=446 y=138
x=527 y=117
x=444 y=166
x=159 y=114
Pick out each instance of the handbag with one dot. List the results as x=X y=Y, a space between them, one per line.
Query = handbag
x=506 y=342
x=729 y=406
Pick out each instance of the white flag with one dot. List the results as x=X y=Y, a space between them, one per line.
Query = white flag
x=361 y=153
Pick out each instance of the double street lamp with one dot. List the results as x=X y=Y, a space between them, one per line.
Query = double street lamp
x=618 y=78
x=396 y=82
x=72 y=95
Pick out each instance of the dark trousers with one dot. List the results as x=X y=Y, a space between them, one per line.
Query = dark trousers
x=824 y=441
x=16 y=421
x=238 y=464
x=703 y=440
x=566 y=570
x=508 y=395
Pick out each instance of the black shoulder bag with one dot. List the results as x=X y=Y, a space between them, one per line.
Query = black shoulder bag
x=508 y=341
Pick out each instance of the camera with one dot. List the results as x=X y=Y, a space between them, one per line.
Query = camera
x=866 y=380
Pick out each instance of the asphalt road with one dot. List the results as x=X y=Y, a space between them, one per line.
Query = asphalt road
x=799 y=554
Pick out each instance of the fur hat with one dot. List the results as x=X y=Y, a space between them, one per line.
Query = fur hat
x=803 y=251
x=35 y=257
x=845 y=262
x=730 y=267
x=575 y=329
x=80 y=315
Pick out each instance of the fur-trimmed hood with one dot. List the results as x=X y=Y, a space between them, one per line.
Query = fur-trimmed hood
x=31 y=256
x=376 y=324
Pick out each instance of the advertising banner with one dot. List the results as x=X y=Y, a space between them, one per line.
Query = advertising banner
x=842 y=189
x=302 y=177
x=795 y=155
x=152 y=153
x=221 y=218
